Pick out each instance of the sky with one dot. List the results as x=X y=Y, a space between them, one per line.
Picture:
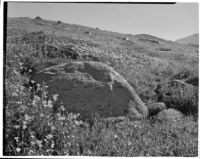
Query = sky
x=168 y=21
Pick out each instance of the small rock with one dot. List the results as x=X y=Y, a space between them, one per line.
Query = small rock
x=126 y=38
x=155 y=108
x=89 y=33
x=170 y=115
x=38 y=18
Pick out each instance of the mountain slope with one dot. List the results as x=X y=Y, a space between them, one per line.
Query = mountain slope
x=144 y=60
x=192 y=39
x=38 y=123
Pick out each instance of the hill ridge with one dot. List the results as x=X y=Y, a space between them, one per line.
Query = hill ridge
x=191 y=39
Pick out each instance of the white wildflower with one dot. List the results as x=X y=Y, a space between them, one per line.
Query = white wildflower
x=61 y=118
x=52 y=145
x=17 y=139
x=41 y=115
x=24 y=125
x=19 y=102
x=27 y=117
x=69 y=144
x=32 y=81
x=44 y=94
x=20 y=63
x=22 y=88
x=30 y=152
x=36 y=97
x=34 y=102
x=39 y=143
x=17 y=126
x=14 y=94
x=62 y=108
x=115 y=136
x=18 y=150
x=45 y=103
x=38 y=85
x=53 y=127
x=49 y=136
x=50 y=104
x=55 y=97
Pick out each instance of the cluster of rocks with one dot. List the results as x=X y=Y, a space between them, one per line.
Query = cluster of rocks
x=91 y=88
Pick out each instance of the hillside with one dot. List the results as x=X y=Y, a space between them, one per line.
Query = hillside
x=158 y=70
x=191 y=40
x=137 y=57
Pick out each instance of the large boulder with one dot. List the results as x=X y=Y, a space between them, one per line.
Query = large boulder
x=92 y=88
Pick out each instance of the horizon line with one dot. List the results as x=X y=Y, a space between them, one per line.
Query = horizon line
x=109 y=30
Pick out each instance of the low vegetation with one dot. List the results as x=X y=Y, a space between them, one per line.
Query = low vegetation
x=33 y=127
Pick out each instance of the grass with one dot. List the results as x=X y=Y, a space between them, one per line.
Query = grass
x=33 y=127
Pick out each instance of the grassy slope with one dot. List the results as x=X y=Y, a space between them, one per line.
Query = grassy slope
x=140 y=60
x=192 y=39
x=145 y=61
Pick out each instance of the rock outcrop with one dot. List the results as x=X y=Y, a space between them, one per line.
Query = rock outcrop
x=92 y=88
